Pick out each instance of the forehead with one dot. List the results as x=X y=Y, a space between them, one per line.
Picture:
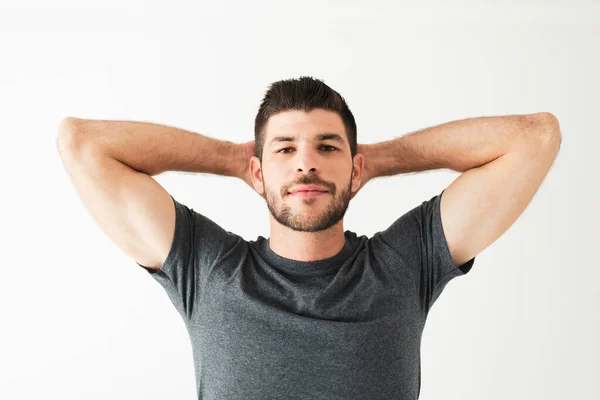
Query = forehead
x=295 y=125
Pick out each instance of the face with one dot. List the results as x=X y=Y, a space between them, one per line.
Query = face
x=302 y=157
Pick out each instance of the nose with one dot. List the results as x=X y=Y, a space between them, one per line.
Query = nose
x=313 y=170
x=305 y=162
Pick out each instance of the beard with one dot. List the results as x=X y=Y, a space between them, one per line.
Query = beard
x=313 y=214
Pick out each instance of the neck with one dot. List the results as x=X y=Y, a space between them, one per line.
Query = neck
x=306 y=246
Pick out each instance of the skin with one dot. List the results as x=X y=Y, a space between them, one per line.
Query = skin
x=306 y=229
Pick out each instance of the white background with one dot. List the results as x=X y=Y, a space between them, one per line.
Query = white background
x=80 y=320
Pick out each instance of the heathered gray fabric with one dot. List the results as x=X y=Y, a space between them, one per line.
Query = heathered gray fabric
x=348 y=327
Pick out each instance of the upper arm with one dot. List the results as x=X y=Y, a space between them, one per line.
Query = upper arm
x=134 y=210
x=483 y=202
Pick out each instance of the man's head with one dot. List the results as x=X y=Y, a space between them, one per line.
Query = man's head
x=305 y=134
x=306 y=94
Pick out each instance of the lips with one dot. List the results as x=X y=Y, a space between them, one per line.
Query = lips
x=305 y=194
x=308 y=188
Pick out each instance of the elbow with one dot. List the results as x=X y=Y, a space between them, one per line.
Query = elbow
x=66 y=126
x=549 y=128
x=67 y=133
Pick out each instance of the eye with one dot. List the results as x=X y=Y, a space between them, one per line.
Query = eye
x=334 y=149
x=331 y=147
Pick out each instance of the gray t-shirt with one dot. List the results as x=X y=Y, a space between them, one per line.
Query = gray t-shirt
x=348 y=327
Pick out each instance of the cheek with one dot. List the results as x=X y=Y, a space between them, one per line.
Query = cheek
x=274 y=179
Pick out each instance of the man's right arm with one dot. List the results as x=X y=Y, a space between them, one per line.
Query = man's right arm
x=111 y=164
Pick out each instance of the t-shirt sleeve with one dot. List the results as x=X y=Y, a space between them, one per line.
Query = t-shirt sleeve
x=421 y=251
x=198 y=243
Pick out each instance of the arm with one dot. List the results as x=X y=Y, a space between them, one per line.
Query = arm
x=110 y=163
x=503 y=160
x=153 y=148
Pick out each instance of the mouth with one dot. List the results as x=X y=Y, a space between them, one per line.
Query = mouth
x=307 y=193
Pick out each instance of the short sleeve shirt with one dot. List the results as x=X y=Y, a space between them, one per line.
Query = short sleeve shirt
x=348 y=327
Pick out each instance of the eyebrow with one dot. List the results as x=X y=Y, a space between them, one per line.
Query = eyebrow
x=321 y=137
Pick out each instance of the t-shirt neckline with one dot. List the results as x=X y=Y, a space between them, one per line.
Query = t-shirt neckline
x=306 y=268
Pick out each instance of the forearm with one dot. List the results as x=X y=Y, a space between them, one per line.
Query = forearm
x=457 y=145
x=153 y=148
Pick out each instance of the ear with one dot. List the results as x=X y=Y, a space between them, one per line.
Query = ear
x=256 y=176
x=357 y=172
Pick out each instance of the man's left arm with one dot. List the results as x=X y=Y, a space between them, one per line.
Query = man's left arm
x=503 y=160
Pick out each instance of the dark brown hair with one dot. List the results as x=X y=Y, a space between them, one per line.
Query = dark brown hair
x=305 y=94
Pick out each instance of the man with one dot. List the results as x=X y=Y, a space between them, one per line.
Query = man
x=313 y=311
